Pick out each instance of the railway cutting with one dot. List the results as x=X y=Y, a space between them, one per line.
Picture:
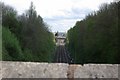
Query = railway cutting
x=61 y=54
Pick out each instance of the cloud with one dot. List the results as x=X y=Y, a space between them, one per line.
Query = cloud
x=73 y=14
x=59 y=14
x=62 y=25
x=66 y=21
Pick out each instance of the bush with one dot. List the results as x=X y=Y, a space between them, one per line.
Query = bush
x=11 y=47
x=28 y=55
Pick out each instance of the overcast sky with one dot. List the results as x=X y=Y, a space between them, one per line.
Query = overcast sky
x=60 y=15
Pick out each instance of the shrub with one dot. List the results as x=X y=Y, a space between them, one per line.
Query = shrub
x=11 y=47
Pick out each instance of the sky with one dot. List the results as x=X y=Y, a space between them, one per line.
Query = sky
x=60 y=15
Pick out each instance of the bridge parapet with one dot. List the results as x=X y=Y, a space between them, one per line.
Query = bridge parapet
x=57 y=70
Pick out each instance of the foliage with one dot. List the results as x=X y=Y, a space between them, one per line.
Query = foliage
x=95 y=39
x=9 y=18
x=0 y=42
x=11 y=47
x=33 y=36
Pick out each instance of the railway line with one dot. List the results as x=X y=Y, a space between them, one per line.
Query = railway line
x=62 y=55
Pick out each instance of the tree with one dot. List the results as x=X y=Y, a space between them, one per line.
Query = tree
x=95 y=38
x=26 y=34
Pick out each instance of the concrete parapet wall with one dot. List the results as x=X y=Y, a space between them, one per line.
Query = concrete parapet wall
x=57 y=70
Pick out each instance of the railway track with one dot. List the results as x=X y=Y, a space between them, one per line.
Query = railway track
x=62 y=55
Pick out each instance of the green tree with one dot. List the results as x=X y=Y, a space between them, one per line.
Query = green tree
x=95 y=38
x=31 y=35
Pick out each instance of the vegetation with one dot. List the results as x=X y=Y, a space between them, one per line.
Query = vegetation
x=95 y=38
x=1 y=41
x=25 y=37
x=11 y=47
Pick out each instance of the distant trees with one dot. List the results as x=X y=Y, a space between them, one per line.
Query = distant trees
x=33 y=40
x=95 y=38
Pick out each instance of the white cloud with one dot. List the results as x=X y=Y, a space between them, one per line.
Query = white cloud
x=60 y=14
x=60 y=23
